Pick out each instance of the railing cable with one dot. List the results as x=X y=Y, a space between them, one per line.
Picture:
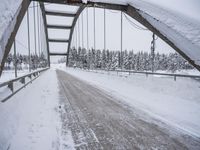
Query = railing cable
x=15 y=62
x=104 y=29
x=121 y=40
x=34 y=20
x=134 y=24
x=87 y=31
x=29 y=48
x=38 y=30
x=82 y=29
x=76 y=38
x=94 y=13
x=79 y=38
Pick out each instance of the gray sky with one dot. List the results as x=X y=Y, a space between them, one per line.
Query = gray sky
x=133 y=39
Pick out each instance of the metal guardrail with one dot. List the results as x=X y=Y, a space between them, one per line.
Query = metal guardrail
x=32 y=76
x=152 y=73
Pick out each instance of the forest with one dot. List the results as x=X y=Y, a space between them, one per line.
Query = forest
x=128 y=60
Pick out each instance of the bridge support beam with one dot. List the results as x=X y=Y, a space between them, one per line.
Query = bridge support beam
x=130 y=10
x=24 y=6
x=133 y=12
x=81 y=8
x=45 y=30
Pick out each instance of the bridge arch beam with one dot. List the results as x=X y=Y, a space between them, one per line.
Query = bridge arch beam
x=129 y=10
x=133 y=13
x=81 y=8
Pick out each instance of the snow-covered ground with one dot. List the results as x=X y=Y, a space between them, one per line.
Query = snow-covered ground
x=31 y=118
x=10 y=74
x=175 y=102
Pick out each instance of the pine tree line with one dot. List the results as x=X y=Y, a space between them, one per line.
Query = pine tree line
x=22 y=61
x=140 y=61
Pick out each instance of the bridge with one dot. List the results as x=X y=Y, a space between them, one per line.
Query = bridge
x=75 y=114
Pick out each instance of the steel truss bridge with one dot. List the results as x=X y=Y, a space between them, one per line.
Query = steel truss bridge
x=127 y=9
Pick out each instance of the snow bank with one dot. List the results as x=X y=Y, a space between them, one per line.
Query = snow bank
x=31 y=118
x=175 y=102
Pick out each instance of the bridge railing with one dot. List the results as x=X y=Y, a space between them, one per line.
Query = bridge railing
x=150 y=73
x=24 y=80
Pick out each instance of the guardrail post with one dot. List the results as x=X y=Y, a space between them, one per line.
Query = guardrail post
x=22 y=80
x=30 y=77
x=10 y=86
x=146 y=74
x=174 y=78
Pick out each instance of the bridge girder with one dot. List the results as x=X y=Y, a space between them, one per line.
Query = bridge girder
x=129 y=10
x=24 y=6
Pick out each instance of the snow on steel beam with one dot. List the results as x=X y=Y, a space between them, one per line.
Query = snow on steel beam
x=103 y=4
x=69 y=2
x=81 y=8
x=178 y=40
x=149 y=22
x=45 y=29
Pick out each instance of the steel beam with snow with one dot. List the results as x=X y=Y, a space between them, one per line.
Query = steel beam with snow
x=134 y=13
x=45 y=30
x=17 y=19
x=68 y=2
x=81 y=8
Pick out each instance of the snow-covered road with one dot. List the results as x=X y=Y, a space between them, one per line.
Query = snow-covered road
x=99 y=121
x=174 y=102
x=65 y=111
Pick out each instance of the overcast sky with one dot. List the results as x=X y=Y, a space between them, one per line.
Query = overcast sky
x=133 y=39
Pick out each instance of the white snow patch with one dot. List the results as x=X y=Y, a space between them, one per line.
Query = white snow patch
x=84 y=1
x=30 y=119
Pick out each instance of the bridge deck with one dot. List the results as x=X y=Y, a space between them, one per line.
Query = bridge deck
x=98 y=121
x=67 y=113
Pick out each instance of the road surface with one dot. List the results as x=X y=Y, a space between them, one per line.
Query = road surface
x=98 y=121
